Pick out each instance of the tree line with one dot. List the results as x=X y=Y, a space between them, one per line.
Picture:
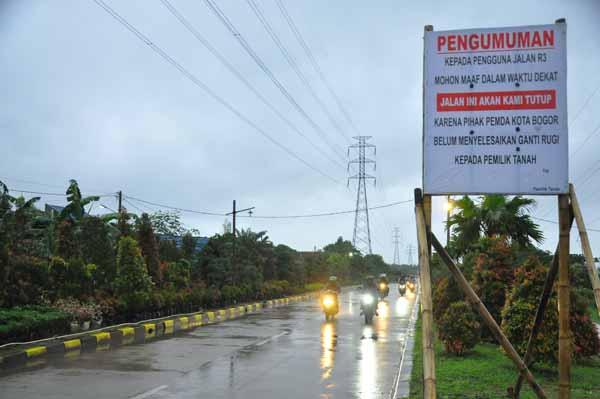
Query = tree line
x=125 y=267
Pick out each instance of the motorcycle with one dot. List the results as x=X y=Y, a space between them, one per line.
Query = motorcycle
x=402 y=288
x=384 y=289
x=410 y=286
x=368 y=304
x=330 y=304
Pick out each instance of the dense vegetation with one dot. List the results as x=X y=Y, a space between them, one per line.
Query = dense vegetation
x=493 y=240
x=125 y=267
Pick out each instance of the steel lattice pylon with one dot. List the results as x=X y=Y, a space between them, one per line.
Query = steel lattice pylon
x=361 y=238
x=396 y=242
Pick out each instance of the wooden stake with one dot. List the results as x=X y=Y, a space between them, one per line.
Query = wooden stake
x=539 y=315
x=429 y=391
x=564 y=334
x=487 y=317
x=586 y=247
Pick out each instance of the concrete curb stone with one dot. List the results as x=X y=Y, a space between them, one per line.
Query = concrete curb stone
x=139 y=333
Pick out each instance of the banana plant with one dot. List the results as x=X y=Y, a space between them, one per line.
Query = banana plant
x=75 y=209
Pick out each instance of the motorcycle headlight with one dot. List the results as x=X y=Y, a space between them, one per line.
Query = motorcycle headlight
x=402 y=285
x=328 y=301
x=382 y=286
x=367 y=299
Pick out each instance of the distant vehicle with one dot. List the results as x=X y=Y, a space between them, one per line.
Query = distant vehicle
x=368 y=305
x=410 y=284
x=402 y=287
x=330 y=304
x=383 y=286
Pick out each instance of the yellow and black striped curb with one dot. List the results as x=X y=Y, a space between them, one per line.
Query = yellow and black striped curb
x=136 y=333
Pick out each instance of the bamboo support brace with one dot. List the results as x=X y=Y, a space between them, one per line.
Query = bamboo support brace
x=429 y=389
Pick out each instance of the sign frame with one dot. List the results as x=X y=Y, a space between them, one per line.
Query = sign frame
x=561 y=180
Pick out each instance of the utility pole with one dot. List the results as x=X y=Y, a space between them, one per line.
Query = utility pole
x=120 y=197
x=234 y=213
x=361 y=238
x=396 y=241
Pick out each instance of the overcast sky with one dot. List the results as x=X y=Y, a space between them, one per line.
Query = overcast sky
x=84 y=98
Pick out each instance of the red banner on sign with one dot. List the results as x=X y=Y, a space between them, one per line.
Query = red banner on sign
x=496 y=100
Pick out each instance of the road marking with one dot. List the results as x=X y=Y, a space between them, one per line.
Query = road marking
x=149 y=393
x=409 y=328
x=264 y=341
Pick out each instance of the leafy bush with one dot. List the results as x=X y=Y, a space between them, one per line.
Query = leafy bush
x=459 y=329
x=493 y=272
x=97 y=248
x=27 y=279
x=149 y=247
x=585 y=334
x=78 y=310
x=32 y=322
x=519 y=312
x=446 y=293
x=133 y=284
x=177 y=274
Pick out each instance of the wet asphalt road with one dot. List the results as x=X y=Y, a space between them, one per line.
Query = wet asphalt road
x=286 y=352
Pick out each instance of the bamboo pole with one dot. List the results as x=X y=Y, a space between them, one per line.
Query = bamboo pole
x=564 y=334
x=487 y=317
x=539 y=315
x=429 y=391
x=585 y=246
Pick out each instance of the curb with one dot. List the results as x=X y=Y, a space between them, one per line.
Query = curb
x=137 y=333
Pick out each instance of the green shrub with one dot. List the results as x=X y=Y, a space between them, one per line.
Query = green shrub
x=32 y=322
x=177 y=274
x=459 y=329
x=133 y=284
x=446 y=293
x=585 y=334
x=519 y=313
x=27 y=280
x=492 y=274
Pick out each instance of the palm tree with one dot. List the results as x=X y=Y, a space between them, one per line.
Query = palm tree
x=493 y=216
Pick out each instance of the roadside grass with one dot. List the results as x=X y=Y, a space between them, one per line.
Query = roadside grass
x=486 y=373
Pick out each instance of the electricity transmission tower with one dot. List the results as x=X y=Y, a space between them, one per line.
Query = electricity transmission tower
x=396 y=242
x=410 y=249
x=361 y=238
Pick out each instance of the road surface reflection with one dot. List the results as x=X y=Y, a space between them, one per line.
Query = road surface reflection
x=328 y=344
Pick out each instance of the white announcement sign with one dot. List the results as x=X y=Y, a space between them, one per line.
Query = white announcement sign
x=496 y=111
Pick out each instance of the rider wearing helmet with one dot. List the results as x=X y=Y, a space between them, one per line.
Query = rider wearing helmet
x=333 y=285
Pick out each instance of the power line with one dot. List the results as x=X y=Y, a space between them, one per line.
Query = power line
x=292 y=62
x=191 y=77
x=206 y=213
x=589 y=136
x=18 y=190
x=237 y=35
x=133 y=205
x=585 y=103
x=254 y=216
x=206 y=43
x=315 y=64
x=555 y=222
x=37 y=192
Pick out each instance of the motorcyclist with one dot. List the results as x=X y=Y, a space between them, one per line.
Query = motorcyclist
x=369 y=286
x=402 y=279
x=383 y=279
x=333 y=285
